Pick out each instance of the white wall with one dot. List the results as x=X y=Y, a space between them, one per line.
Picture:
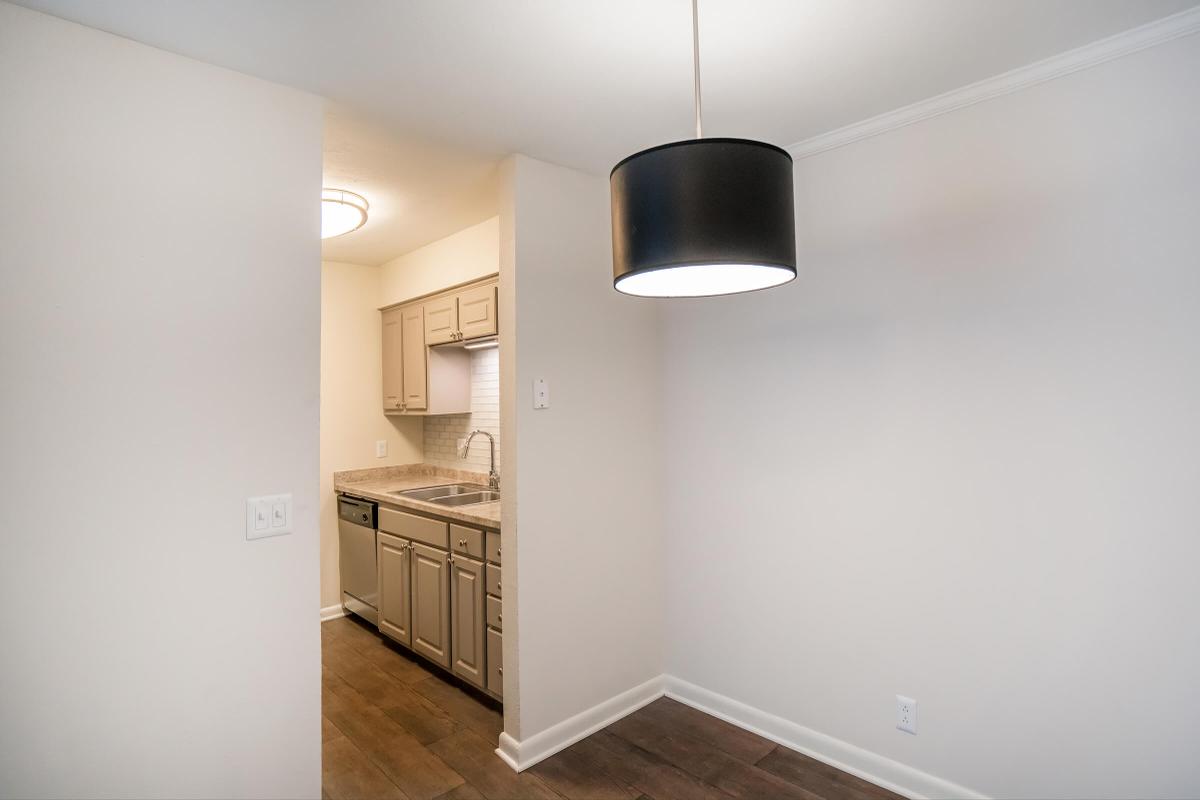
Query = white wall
x=443 y=432
x=588 y=598
x=352 y=418
x=958 y=458
x=464 y=256
x=159 y=345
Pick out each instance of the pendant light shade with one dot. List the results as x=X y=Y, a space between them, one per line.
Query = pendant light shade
x=703 y=217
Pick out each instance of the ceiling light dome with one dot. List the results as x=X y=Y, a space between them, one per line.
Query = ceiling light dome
x=341 y=212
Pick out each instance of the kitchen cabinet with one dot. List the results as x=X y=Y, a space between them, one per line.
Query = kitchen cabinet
x=441 y=320
x=415 y=365
x=418 y=379
x=431 y=603
x=438 y=592
x=477 y=312
x=492 y=616
x=495 y=663
x=395 y=609
x=461 y=314
x=467 y=626
x=393 y=379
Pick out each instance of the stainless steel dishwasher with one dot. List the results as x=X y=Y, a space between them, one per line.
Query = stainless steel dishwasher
x=356 y=547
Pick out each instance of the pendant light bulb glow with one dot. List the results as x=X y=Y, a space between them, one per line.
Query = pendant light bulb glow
x=703 y=217
x=341 y=212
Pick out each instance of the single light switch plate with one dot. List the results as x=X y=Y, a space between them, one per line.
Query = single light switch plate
x=269 y=515
x=541 y=393
x=381 y=448
x=906 y=714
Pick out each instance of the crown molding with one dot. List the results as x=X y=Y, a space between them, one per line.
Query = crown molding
x=1089 y=55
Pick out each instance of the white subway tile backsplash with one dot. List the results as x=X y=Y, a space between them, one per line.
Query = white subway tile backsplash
x=442 y=433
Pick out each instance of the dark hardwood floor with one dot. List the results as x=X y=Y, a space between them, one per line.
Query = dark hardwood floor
x=394 y=728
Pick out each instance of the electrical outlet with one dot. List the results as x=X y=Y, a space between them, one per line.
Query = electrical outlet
x=381 y=448
x=906 y=714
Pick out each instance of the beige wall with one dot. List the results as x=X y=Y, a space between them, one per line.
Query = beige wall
x=957 y=459
x=352 y=420
x=159 y=339
x=471 y=253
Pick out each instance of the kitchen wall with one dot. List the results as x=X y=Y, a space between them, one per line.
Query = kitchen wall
x=352 y=419
x=464 y=256
x=443 y=432
x=159 y=340
x=957 y=459
x=588 y=600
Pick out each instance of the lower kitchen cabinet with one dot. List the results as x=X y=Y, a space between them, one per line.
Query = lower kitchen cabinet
x=466 y=606
x=431 y=603
x=395 y=606
x=439 y=593
x=495 y=662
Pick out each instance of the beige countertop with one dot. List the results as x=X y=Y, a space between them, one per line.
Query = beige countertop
x=378 y=483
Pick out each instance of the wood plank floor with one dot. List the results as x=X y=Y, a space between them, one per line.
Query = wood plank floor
x=395 y=728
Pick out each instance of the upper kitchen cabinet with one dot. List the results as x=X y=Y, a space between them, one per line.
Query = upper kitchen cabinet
x=393 y=377
x=418 y=379
x=415 y=360
x=461 y=314
x=441 y=320
x=477 y=312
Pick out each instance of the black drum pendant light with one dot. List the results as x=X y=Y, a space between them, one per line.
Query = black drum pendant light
x=703 y=217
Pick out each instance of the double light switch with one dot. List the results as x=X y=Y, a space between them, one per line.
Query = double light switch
x=269 y=515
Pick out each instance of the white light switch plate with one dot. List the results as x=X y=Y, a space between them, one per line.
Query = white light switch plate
x=269 y=515
x=381 y=448
x=541 y=393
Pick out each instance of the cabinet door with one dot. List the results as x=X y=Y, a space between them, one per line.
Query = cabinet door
x=393 y=381
x=415 y=368
x=441 y=320
x=477 y=312
x=395 y=609
x=466 y=607
x=431 y=603
x=495 y=663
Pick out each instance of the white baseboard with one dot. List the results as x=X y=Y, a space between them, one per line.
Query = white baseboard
x=869 y=766
x=332 y=612
x=521 y=755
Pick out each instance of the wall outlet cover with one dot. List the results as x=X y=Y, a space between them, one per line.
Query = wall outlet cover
x=906 y=714
x=381 y=448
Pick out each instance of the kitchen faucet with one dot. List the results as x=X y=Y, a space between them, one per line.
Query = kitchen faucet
x=493 y=476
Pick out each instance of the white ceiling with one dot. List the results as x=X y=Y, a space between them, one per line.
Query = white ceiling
x=418 y=191
x=584 y=84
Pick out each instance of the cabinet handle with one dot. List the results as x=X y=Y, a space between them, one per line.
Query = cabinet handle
x=450 y=558
x=500 y=670
x=462 y=542
x=499 y=618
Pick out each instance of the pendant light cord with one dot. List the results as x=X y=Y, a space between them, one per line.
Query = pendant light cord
x=696 y=68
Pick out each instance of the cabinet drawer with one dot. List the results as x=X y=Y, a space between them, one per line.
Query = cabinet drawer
x=492 y=546
x=467 y=541
x=495 y=662
x=493 y=613
x=419 y=529
x=492 y=580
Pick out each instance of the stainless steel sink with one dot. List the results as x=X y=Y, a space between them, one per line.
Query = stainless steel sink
x=432 y=492
x=469 y=499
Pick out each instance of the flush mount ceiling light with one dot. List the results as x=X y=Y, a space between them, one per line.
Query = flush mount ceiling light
x=341 y=212
x=703 y=217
